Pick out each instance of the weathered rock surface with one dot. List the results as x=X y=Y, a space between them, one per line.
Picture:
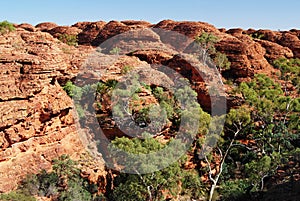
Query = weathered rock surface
x=89 y=32
x=37 y=123
x=46 y=26
x=59 y=30
x=36 y=116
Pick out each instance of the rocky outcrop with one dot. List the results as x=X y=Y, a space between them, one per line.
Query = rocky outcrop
x=246 y=56
x=37 y=123
x=46 y=26
x=289 y=39
x=292 y=42
x=275 y=51
x=109 y=30
x=27 y=27
x=36 y=116
x=89 y=32
x=59 y=30
x=190 y=29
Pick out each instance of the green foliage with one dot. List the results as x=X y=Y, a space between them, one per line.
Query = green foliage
x=159 y=93
x=6 y=27
x=63 y=183
x=207 y=41
x=137 y=185
x=167 y=102
x=266 y=123
x=151 y=185
x=72 y=90
x=71 y=40
x=126 y=69
x=290 y=70
x=271 y=105
x=111 y=84
x=170 y=110
x=267 y=119
x=221 y=61
x=239 y=117
x=263 y=94
x=65 y=168
x=263 y=167
x=76 y=93
x=76 y=191
x=16 y=196
x=257 y=35
x=204 y=122
x=136 y=145
x=115 y=51
x=147 y=87
x=106 y=87
x=81 y=95
x=234 y=190
x=192 y=185
x=42 y=184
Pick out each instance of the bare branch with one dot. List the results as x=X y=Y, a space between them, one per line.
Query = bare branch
x=210 y=170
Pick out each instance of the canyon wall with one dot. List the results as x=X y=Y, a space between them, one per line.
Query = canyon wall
x=36 y=115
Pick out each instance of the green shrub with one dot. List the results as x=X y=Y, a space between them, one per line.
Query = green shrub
x=257 y=35
x=16 y=196
x=289 y=70
x=73 y=91
x=207 y=41
x=221 y=61
x=115 y=51
x=126 y=69
x=148 y=186
x=68 y=39
x=111 y=84
x=64 y=183
x=191 y=184
x=234 y=189
x=6 y=27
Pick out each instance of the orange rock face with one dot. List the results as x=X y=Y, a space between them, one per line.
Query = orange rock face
x=36 y=123
x=36 y=115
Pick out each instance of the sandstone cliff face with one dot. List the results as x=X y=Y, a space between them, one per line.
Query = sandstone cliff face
x=36 y=115
x=37 y=121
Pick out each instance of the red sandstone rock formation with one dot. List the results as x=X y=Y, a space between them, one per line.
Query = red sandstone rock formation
x=36 y=115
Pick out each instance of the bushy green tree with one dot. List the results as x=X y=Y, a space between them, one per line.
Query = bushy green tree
x=237 y=120
x=259 y=169
x=289 y=72
x=155 y=185
x=63 y=183
x=6 y=27
x=267 y=125
x=221 y=61
x=235 y=190
x=192 y=185
x=207 y=43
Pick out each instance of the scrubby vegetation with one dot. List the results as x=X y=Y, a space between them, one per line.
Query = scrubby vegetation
x=64 y=183
x=257 y=35
x=259 y=140
x=6 y=27
x=260 y=137
x=71 y=40
x=207 y=42
x=169 y=182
